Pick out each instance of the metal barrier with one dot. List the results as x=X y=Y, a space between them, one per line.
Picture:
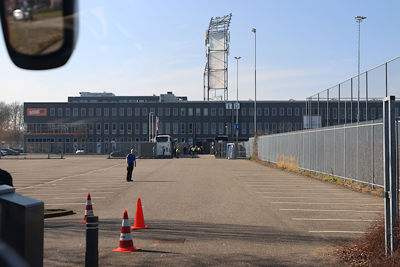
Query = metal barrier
x=351 y=151
x=22 y=225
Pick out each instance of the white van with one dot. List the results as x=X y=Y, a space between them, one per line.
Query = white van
x=164 y=146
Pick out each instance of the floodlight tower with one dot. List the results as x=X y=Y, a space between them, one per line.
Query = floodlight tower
x=217 y=50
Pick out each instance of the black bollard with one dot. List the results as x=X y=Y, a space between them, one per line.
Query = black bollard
x=92 y=241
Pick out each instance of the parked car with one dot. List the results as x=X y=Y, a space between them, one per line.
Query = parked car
x=20 y=150
x=117 y=154
x=80 y=151
x=3 y=152
x=10 y=151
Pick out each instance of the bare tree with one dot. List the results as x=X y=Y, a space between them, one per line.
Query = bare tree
x=11 y=122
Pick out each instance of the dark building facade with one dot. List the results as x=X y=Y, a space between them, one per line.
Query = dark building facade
x=95 y=120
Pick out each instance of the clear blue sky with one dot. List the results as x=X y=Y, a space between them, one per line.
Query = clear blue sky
x=150 y=47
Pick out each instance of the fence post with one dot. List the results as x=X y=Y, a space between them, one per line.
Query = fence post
x=391 y=199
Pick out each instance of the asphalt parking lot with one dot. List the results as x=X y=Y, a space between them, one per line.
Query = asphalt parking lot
x=201 y=211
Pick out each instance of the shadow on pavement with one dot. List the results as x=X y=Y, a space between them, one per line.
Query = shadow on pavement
x=191 y=251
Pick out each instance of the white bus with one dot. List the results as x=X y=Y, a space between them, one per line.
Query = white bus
x=164 y=146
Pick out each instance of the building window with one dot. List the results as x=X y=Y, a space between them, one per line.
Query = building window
x=251 y=111
x=167 y=112
x=281 y=111
x=373 y=113
x=296 y=111
x=98 y=128
x=274 y=111
x=144 y=112
x=114 y=128
x=167 y=128
x=129 y=128
x=244 y=128
x=213 y=128
x=266 y=111
x=59 y=112
x=221 y=128
x=221 y=112
x=91 y=128
x=289 y=111
x=251 y=128
x=175 y=111
x=190 y=128
x=121 y=128
x=198 y=128
x=259 y=128
x=243 y=110
x=83 y=112
x=213 y=111
x=183 y=128
x=98 y=112
x=106 y=112
x=129 y=112
x=137 y=128
x=91 y=112
x=121 y=112
x=175 y=128
x=67 y=112
x=52 y=111
x=190 y=111
x=114 y=112
x=205 y=112
x=105 y=128
x=74 y=112
x=144 y=127
x=259 y=112
x=334 y=111
x=183 y=112
x=198 y=112
x=205 y=127
x=160 y=111
x=137 y=112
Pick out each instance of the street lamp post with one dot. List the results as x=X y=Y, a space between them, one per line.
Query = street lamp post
x=359 y=19
x=237 y=98
x=255 y=81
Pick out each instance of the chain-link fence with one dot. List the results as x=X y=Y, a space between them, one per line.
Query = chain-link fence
x=356 y=99
x=351 y=151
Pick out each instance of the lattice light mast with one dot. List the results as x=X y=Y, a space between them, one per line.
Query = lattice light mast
x=217 y=51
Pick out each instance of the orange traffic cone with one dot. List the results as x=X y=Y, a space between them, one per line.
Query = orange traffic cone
x=139 y=219
x=89 y=208
x=125 y=240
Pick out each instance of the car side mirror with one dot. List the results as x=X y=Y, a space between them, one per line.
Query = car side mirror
x=39 y=34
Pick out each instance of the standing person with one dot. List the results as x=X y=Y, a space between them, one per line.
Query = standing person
x=131 y=162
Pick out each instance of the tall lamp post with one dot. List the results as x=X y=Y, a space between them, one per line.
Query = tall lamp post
x=255 y=81
x=237 y=98
x=359 y=19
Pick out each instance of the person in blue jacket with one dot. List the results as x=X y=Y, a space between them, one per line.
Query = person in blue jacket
x=131 y=162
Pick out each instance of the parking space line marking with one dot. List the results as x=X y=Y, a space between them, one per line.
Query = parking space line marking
x=322 y=193
x=344 y=232
x=336 y=220
x=50 y=194
x=69 y=176
x=314 y=210
x=77 y=197
x=59 y=204
x=327 y=203
x=323 y=198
